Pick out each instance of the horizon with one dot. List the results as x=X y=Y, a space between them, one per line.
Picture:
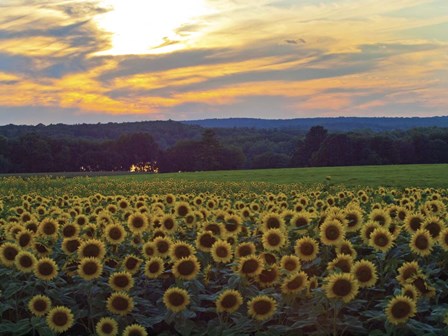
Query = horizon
x=93 y=61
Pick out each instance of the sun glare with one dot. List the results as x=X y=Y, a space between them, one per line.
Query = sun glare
x=150 y=27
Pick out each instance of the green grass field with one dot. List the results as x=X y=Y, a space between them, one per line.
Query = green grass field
x=434 y=175
x=395 y=176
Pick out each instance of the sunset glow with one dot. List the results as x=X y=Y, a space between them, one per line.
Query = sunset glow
x=109 y=60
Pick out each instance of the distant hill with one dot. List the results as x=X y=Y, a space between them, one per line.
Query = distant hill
x=342 y=124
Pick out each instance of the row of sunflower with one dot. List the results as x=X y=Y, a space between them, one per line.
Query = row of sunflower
x=290 y=262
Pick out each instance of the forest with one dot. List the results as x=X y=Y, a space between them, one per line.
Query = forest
x=172 y=146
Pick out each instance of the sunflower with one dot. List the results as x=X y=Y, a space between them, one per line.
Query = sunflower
x=182 y=209
x=407 y=271
x=46 y=269
x=250 y=265
x=294 y=283
x=48 y=227
x=180 y=250
x=342 y=262
x=176 y=299
x=261 y=307
x=268 y=276
x=332 y=232
x=25 y=261
x=343 y=286
x=380 y=217
x=25 y=238
x=306 y=248
x=381 y=239
x=232 y=225
x=399 y=309
x=186 y=268
x=120 y=303
x=168 y=224
x=60 y=319
x=222 y=251
x=70 y=245
x=132 y=263
x=245 y=249
x=106 y=326
x=138 y=223
x=228 y=301
x=354 y=220
x=290 y=263
x=90 y=268
x=346 y=247
x=92 y=248
x=70 y=230
x=162 y=245
x=300 y=220
x=410 y=291
x=154 y=267
x=419 y=282
x=8 y=253
x=434 y=225
x=413 y=222
x=135 y=330
x=39 y=305
x=421 y=242
x=366 y=231
x=114 y=233
x=273 y=239
x=205 y=241
x=365 y=272
x=443 y=239
x=272 y=221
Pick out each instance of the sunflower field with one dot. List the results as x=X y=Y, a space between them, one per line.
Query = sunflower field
x=235 y=259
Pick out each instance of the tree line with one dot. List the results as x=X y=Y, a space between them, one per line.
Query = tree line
x=213 y=150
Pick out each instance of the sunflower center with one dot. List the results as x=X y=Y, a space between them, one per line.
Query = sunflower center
x=245 y=250
x=115 y=233
x=186 y=267
x=229 y=301
x=422 y=242
x=221 y=251
x=120 y=303
x=364 y=273
x=26 y=261
x=40 y=305
x=131 y=263
x=72 y=245
x=268 y=276
x=380 y=219
x=182 y=210
x=90 y=268
x=434 y=229
x=409 y=272
x=401 y=309
x=343 y=265
x=262 y=307
x=342 y=287
x=381 y=240
x=138 y=222
x=301 y=221
x=207 y=240
x=45 y=268
x=169 y=224
x=274 y=239
x=295 y=283
x=250 y=266
x=176 y=299
x=49 y=229
x=352 y=220
x=60 y=319
x=91 y=250
x=68 y=231
x=307 y=249
x=290 y=265
x=10 y=253
x=181 y=251
x=273 y=223
x=107 y=328
x=24 y=240
x=121 y=281
x=154 y=267
x=162 y=246
x=415 y=223
x=332 y=233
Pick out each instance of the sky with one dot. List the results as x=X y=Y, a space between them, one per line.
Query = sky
x=73 y=61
